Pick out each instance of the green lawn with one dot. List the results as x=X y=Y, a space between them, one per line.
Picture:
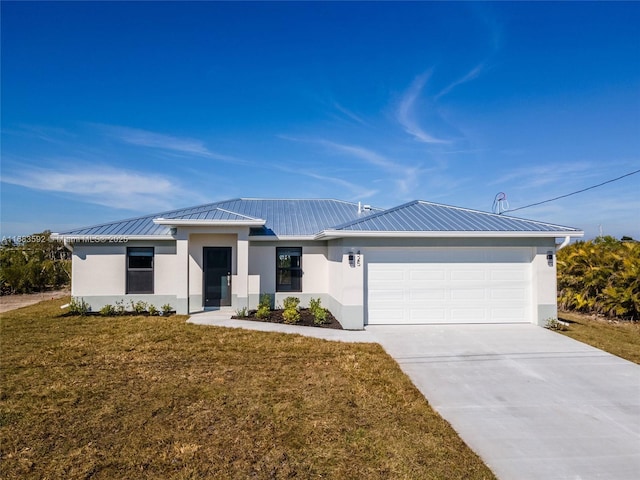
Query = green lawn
x=616 y=337
x=150 y=397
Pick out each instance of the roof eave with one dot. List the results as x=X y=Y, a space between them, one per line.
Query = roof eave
x=281 y=238
x=209 y=223
x=331 y=234
x=71 y=237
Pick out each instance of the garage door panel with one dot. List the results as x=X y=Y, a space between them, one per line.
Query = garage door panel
x=468 y=294
x=468 y=315
x=424 y=274
x=468 y=275
x=512 y=274
x=427 y=294
x=508 y=314
x=382 y=297
x=433 y=315
x=449 y=285
x=386 y=316
x=508 y=294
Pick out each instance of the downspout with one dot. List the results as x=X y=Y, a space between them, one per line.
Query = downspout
x=567 y=239
x=67 y=244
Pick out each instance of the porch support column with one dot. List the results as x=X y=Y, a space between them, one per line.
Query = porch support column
x=182 y=272
x=242 y=271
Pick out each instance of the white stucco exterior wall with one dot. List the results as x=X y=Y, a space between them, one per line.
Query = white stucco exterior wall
x=544 y=288
x=99 y=273
x=98 y=270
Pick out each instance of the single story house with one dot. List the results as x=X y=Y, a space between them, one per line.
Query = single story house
x=417 y=263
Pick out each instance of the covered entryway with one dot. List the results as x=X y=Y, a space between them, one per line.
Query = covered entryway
x=217 y=276
x=448 y=285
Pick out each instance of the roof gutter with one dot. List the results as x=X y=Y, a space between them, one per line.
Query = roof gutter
x=331 y=234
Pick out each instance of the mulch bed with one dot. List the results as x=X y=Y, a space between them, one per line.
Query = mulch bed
x=306 y=319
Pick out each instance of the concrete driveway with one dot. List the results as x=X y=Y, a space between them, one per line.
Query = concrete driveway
x=532 y=403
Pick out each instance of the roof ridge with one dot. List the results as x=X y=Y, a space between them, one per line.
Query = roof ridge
x=307 y=199
x=374 y=215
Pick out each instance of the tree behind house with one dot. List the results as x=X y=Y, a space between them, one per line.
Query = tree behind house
x=33 y=265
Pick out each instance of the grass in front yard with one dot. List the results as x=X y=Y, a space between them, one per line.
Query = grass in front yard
x=153 y=397
x=619 y=338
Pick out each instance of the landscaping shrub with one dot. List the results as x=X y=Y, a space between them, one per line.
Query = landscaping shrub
x=120 y=310
x=138 y=307
x=166 y=309
x=264 y=307
x=319 y=313
x=555 y=324
x=108 y=310
x=153 y=311
x=291 y=313
x=77 y=306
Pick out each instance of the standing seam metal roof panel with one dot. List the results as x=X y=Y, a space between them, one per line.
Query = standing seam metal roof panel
x=425 y=216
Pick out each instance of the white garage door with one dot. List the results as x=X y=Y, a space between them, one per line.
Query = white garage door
x=449 y=285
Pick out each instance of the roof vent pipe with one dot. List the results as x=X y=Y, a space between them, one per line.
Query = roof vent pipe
x=359 y=208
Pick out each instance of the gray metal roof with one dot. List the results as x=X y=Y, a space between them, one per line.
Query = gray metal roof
x=420 y=216
x=327 y=218
x=284 y=218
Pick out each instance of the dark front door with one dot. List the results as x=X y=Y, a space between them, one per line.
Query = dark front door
x=217 y=276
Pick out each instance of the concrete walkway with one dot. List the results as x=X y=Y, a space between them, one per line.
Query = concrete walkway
x=532 y=403
x=222 y=318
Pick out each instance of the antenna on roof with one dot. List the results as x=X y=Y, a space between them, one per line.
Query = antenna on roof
x=500 y=203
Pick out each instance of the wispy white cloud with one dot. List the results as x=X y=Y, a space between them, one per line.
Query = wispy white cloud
x=42 y=133
x=103 y=185
x=146 y=138
x=356 y=190
x=362 y=153
x=469 y=76
x=349 y=114
x=534 y=176
x=406 y=178
x=406 y=112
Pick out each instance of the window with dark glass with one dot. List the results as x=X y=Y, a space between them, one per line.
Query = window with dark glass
x=140 y=270
x=289 y=269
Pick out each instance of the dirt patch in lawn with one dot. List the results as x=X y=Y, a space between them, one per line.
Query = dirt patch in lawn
x=11 y=302
x=306 y=319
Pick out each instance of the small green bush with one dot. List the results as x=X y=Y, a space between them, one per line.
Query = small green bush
x=291 y=313
x=264 y=307
x=554 y=324
x=108 y=310
x=166 y=309
x=77 y=306
x=153 y=311
x=120 y=310
x=138 y=307
x=319 y=313
x=241 y=312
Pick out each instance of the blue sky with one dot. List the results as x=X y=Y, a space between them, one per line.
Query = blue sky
x=110 y=110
